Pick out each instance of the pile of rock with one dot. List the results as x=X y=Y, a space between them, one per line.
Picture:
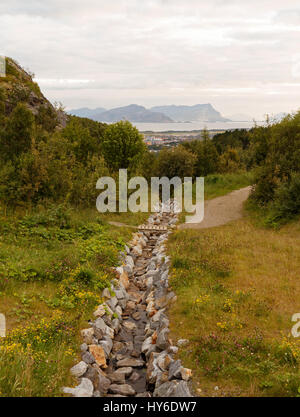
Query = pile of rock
x=126 y=349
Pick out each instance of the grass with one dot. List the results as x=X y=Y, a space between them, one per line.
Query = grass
x=53 y=266
x=216 y=185
x=238 y=287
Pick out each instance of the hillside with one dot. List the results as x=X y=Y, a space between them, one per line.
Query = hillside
x=196 y=113
x=18 y=87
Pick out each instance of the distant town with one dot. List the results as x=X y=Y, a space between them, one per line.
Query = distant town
x=157 y=140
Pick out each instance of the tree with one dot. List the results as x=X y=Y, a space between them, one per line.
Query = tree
x=122 y=146
x=19 y=132
x=176 y=162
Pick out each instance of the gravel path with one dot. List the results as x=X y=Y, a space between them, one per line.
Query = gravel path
x=220 y=210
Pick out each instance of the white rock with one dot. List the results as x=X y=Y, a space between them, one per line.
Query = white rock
x=84 y=389
x=182 y=342
x=79 y=369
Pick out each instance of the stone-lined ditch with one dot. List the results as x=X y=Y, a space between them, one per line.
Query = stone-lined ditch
x=126 y=349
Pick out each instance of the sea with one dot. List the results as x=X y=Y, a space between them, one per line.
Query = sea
x=190 y=126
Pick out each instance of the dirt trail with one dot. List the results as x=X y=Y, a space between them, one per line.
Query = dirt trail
x=221 y=210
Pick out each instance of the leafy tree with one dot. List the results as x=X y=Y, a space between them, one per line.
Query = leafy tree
x=19 y=132
x=176 y=162
x=122 y=146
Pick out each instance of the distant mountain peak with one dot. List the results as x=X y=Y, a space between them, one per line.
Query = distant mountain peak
x=158 y=114
x=195 y=113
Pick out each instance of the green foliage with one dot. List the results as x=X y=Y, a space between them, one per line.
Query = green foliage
x=177 y=162
x=19 y=133
x=122 y=146
x=207 y=158
x=277 y=178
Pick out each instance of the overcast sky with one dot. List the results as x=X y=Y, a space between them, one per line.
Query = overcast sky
x=242 y=56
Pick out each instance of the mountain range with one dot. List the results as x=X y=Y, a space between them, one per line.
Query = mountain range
x=158 y=114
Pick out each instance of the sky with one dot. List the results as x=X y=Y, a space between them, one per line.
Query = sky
x=242 y=56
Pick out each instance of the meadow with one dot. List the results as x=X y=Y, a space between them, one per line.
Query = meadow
x=237 y=288
x=54 y=264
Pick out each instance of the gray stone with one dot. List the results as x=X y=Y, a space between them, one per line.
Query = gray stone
x=106 y=293
x=143 y=394
x=115 y=324
x=83 y=347
x=117 y=377
x=175 y=369
x=127 y=370
x=162 y=341
x=87 y=335
x=130 y=362
x=79 y=369
x=147 y=344
x=107 y=345
x=112 y=303
x=104 y=383
x=124 y=389
x=87 y=357
x=84 y=389
x=134 y=376
x=172 y=389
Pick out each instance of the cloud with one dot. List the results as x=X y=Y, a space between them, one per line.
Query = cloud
x=101 y=53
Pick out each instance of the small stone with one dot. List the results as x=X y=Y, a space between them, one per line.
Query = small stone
x=147 y=344
x=124 y=280
x=135 y=353
x=106 y=293
x=79 y=369
x=134 y=376
x=173 y=389
x=182 y=342
x=129 y=325
x=84 y=389
x=99 y=354
x=175 y=369
x=143 y=394
x=112 y=303
x=130 y=305
x=186 y=373
x=92 y=374
x=119 y=311
x=107 y=345
x=88 y=358
x=100 y=311
x=126 y=362
x=136 y=315
x=123 y=389
x=127 y=370
x=115 y=324
x=162 y=339
x=87 y=335
x=104 y=384
x=173 y=349
x=117 y=377
x=117 y=346
x=83 y=347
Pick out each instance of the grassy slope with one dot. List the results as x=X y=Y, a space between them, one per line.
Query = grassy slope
x=52 y=272
x=238 y=286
